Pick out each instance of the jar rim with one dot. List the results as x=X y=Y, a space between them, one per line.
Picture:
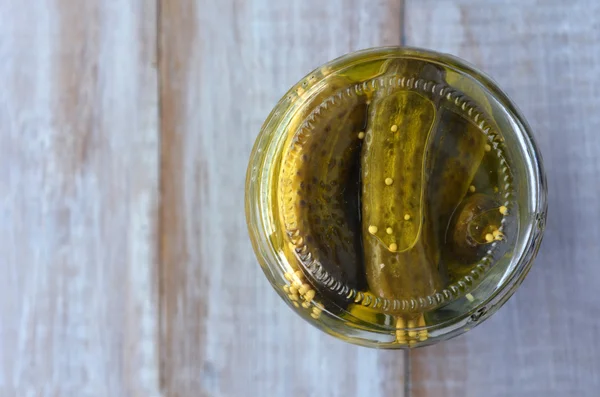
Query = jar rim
x=257 y=176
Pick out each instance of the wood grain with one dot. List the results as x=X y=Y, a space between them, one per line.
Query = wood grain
x=223 y=65
x=78 y=175
x=546 y=55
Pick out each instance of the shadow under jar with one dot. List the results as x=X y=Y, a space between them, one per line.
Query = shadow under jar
x=395 y=197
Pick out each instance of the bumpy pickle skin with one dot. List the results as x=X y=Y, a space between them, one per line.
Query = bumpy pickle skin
x=457 y=150
x=320 y=193
x=409 y=261
x=309 y=104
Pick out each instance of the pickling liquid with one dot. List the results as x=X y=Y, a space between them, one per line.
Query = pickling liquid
x=394 y=196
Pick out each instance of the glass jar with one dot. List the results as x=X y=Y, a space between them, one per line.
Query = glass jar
x=395 y=197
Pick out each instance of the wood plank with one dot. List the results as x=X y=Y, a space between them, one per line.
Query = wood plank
x=546 y=55
x=223 y=66
x=79 y=181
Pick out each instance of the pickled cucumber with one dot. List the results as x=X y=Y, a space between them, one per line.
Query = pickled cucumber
x=380 y=194
x=320 y=192
x=401 y=264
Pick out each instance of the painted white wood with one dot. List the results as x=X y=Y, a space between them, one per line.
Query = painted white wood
x=79 y=195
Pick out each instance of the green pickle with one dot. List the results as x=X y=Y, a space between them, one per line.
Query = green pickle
x=392 y=195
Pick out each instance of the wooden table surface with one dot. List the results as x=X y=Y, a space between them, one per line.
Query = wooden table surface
x=125 y=129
